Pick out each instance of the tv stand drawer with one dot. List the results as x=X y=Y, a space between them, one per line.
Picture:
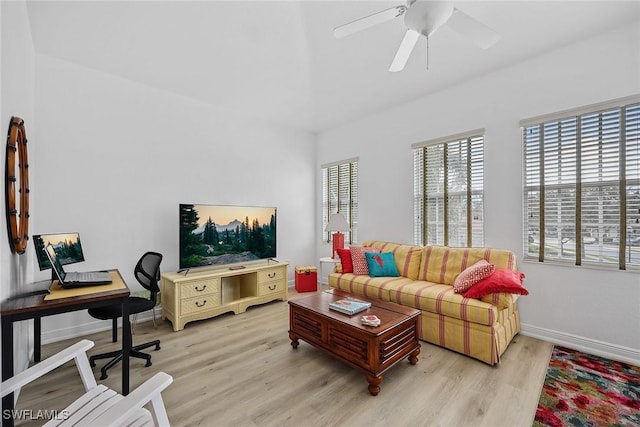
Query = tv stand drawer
x=201 y=303
x=200 y=287
x=275 y=273
x=271 y=287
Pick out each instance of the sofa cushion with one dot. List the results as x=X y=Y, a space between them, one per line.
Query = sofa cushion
x=441 y=264
x=359 y=261
x=381 y=264
x=372 y=287
x=406 y=257
x=432 y=297
x=472 y=275
x=345 y=260
x=501 y=281
x=442 y=300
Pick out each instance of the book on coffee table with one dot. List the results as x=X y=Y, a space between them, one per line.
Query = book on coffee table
x=349 y=305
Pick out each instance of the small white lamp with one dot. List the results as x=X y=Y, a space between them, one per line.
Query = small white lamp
x=337 y=224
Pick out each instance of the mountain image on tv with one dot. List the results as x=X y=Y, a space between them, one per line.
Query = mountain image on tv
x=217 y=235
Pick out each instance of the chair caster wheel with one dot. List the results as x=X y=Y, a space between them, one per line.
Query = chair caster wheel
x=104 y=376
x=92 y=363
x=157 y=347
x=148 y=363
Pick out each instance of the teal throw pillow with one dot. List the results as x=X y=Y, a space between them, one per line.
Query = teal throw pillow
x=381 y=265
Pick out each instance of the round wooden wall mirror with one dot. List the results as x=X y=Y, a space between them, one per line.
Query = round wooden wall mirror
x=17 y=177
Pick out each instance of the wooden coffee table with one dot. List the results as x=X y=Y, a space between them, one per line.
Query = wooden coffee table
x=372 y=349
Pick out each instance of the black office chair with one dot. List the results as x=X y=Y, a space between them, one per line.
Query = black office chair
x=147 y=272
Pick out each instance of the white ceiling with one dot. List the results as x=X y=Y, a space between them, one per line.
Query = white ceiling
x=279 y=61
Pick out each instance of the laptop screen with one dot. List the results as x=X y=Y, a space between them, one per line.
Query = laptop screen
x=55 y=262
x=67 y=246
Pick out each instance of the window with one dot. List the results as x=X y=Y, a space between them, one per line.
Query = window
x=448 y=191
x=582 y=185
x=340 y=194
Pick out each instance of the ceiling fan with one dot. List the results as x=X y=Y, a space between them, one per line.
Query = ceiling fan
x=423 y=18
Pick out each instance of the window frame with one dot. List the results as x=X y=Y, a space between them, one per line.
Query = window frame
x=604 y=140
x=343 y=186
x=438 y=152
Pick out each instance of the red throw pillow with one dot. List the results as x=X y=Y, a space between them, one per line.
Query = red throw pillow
x=507 y=281
x=345 y=260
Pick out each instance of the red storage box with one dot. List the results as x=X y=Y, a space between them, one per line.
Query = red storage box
x=306 y=279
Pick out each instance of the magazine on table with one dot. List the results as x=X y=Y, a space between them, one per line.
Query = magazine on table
x=349 y=305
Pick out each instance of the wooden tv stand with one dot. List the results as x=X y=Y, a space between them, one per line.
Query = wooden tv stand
x=205 y=293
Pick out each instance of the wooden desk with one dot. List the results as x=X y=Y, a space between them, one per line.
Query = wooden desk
x=35 y=307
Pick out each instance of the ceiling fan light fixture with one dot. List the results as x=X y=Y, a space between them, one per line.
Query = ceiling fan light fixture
x=427 y=17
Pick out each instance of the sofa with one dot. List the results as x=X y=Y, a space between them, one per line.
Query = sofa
x=479 y=328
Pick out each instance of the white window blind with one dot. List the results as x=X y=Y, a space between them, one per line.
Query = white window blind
x=340 y=194
x=582 y=188
x=448 y=191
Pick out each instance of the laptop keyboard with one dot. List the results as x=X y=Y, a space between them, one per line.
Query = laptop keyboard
x=84 y=276
x=87 y=276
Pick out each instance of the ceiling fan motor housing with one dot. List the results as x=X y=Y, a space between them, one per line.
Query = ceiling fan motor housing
x=427 y=16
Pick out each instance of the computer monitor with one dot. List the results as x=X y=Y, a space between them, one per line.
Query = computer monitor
x=66 y=245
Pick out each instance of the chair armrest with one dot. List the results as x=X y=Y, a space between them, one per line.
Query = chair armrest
x=39 y=369
x=149 y=391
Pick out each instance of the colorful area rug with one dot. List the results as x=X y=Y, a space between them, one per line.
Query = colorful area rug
x=585 y=390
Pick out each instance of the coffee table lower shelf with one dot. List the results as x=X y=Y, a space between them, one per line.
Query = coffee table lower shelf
x=372 y=350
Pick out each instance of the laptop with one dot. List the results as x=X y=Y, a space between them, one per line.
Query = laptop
x=75 y=279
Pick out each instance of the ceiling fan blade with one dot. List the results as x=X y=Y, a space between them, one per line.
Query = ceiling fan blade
x=369 y=21
x=474 y=30
x=402 y=55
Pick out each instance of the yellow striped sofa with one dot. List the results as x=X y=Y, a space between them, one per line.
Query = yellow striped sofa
x=481 y=329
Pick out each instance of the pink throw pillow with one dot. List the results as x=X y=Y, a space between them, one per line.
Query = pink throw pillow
x=506 y=281
x=472 y=275
x=345 y=260
x=358 y=259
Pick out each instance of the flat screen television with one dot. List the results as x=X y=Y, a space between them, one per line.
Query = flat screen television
x=66 y=245
x=218 y=235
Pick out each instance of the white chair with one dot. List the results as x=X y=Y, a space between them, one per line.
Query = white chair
x=99 y=406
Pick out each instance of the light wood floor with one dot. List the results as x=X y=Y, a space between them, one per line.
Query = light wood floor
x=240 y=370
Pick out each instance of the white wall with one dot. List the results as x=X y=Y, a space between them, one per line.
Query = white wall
x=115 y=158
x=590 y=309
x=17 y=99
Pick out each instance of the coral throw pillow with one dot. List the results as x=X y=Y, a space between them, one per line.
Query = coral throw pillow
x=345 y=260
x=472 y=275
x=507 y=281
x=359 y=261
x=381 y=265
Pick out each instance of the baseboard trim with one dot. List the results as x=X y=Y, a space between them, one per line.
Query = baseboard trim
x=587 y=345
x=91 y=328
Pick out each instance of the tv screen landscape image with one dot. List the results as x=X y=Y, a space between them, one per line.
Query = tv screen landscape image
x=218 y=235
